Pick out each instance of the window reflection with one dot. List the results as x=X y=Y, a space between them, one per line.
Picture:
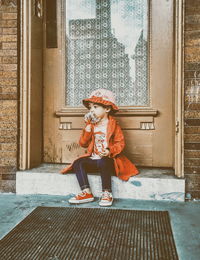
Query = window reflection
x=106 y=47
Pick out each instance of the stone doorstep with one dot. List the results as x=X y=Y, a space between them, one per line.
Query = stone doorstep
x=153 y=186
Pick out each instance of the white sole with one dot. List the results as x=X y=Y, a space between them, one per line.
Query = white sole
x=105 y=205
x=80 y=201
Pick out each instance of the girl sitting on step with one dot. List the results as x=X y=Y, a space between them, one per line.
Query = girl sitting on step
x=104 y=140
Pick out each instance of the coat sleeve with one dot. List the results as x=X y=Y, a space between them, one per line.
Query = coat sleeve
x=118 y=142
x=85 y=138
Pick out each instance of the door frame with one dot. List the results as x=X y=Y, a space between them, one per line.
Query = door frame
x=30 y=105
x=25 y=73
x=179 y=19
x=25 y=157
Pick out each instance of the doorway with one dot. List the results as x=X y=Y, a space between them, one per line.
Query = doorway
x=146 y=102
x=149 y=127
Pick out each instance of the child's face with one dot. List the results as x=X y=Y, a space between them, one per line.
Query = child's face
x=98 y=110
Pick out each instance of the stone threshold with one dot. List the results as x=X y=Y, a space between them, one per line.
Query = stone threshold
x=150 y=184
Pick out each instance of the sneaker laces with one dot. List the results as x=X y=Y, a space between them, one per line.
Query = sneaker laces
x=81 y=194
x=106 y=195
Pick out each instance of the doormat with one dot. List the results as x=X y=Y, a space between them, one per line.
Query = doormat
x=51 y=233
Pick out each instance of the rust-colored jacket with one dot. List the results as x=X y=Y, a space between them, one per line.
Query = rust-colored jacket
x=123 y=167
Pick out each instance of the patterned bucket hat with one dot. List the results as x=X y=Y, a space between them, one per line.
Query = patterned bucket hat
x=102 y=96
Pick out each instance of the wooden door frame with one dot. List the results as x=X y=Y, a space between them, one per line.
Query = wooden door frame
x=25 y=74
x=25 y=86
x=179 y=86
x=30 y=138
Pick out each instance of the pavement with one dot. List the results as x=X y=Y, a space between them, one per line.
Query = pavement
x=184 y=216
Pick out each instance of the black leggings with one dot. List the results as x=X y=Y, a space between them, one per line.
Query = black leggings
x=105 y=166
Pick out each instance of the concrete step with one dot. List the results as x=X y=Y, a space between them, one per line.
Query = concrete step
x=150 y=184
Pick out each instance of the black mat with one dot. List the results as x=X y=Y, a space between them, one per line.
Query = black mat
x=90 y=233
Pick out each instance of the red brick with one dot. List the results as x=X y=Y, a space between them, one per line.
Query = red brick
x=8 y=169
x=8 y=186
x=191 y=106
x=191 y=154
x=8 y=154
x=8 y=23
x=9 y=74
x=9 y=16
x=192 y=170
x=192 y=182
x=10 y=132
x=189 y=75
x=192 y=138
x=9 y=5
x=192 y=130
x=8 y=147
x=192 y=114
x=11 y=60
x=8 y=139
x=9 y=126
x=192 y=122
x=7 y=113
x=192 y=22
x=8 y=82
x=192 y=146
x=192 y=38
x=194 y=194
x=9 y=38
x=192 y=54
x=8 y=96
x=192 y=162
x=8 y=67
x=9 y=31
x=5 y=53
x=191 y=66
x=8 y=177
x=8 y=162
x=9 y=46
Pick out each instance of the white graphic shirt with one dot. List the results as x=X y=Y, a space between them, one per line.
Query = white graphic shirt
x=100 y=143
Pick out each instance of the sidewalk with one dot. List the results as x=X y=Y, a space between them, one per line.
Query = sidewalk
x=185 y=217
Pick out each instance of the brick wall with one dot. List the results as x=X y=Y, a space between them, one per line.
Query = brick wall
x=8 y=94
x=192 y=107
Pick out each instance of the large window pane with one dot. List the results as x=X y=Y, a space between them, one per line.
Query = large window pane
x=107 y=47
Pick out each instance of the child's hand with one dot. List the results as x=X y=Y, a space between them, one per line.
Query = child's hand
x=105 y=153
x=88 y=128
x=87 y=117
x=91 y=118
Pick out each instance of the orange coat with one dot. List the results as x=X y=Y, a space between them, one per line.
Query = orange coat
x=123 y=167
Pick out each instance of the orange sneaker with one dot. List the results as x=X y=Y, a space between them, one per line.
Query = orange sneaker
x=106 y=199
x=82 y=197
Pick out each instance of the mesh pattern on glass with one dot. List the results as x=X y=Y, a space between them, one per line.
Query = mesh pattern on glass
x=106 y=47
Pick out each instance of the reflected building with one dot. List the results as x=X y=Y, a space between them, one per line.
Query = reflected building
x=96 y=59
x=140 y=90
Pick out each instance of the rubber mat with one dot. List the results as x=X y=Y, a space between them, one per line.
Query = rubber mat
x=51 y=233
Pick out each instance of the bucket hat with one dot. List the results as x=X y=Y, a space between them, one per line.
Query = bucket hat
x=102 y=96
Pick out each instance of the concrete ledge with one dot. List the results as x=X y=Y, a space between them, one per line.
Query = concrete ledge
x=152 y=186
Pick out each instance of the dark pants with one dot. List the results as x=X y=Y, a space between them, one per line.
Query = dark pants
x=105 y=166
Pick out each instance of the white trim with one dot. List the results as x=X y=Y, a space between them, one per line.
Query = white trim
x=25 y=53
x=179 y=88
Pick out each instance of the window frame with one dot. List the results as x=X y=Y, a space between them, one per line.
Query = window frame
x=123 y=110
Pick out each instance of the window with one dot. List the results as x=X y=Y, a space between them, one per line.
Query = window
x=107 y=47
